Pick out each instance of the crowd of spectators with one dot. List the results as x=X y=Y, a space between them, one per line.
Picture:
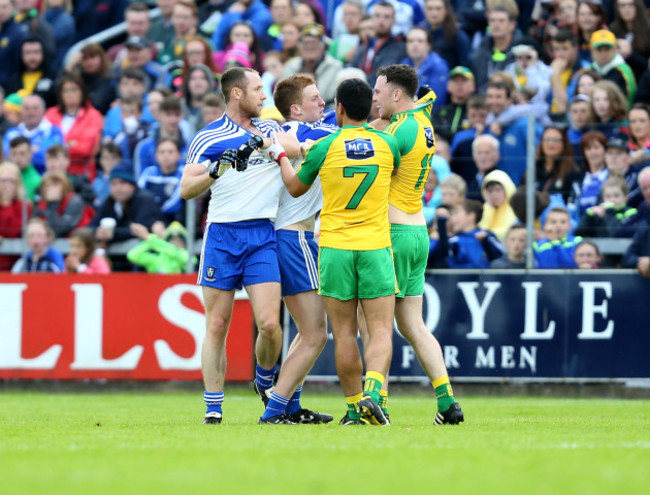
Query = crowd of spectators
x=94 y=139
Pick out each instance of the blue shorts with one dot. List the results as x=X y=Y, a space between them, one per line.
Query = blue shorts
x=298 y=255
x=238 y=254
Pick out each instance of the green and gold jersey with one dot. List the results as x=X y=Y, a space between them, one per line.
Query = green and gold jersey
x=355 y=166
x=415 y=138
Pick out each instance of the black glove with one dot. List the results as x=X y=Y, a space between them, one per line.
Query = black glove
x=424 y=89
x=245 y=150
x=228 y=159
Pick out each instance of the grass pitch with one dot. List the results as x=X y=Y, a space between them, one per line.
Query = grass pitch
x=139 y=442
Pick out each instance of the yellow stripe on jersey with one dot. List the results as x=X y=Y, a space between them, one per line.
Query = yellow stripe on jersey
x=355 y=166
x=415 y=137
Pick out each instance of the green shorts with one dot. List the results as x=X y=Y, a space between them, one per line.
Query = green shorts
x=410 y=251
x=346 y=275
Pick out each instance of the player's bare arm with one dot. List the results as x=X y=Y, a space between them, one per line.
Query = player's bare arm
x=195 y=181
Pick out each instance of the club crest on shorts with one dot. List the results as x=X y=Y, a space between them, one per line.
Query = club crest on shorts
x=209 y=274
x=428 y=134
x=359 y=149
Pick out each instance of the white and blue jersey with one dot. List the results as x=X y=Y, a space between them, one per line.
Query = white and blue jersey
x=239 y=245
x=293 y=210
x=297 y=250
x=238 y=196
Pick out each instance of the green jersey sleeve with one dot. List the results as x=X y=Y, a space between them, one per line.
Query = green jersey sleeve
x=314 y=160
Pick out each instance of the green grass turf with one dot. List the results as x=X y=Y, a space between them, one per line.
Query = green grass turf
x=143 y=442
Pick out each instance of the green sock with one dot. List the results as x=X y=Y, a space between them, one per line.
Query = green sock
x=372 y=386
x=444 y=393
x=383 y=400
x=353 y=407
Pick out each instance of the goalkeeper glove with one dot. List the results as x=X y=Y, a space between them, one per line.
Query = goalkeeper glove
x=245 y=150
x=228 y=159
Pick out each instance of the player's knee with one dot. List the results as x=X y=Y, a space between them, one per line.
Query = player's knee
x=268 y=326
x=217 y=327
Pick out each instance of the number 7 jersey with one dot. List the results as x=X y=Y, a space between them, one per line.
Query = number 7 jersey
x=355 y=165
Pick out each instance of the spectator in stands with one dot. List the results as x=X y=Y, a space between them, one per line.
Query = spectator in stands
x=132 y=83
x=5 y=123
x=290 y=38
x=587 y=255
x=408 y=13
x=498 y=216
x=381 y=50
x=557 y=248
x=161 y=255
x=80 y=122
x=12 y=108
x=610 y=65
x=485 y=152
x=137 y=21
x=542 y=202
x=470 y=246
x=273 y=69
x=58 y=160
x=512 y=137
x=171 y=113
x=472 y=17
x=198 y=82
x=109 y=157
x=579 y=123
x=618 y=161
x=530 y=73
x=133 y=129
x=40 y=132
x=462 y=162
x=495 y=53
x=94 y=67
x=643 y=90
x=20 y=153
x=163 y=179
x=593 y=149
x=197 y=50
x=60 y=206
x=127 y=205
x=93 y=16
x=638 y=253
x=84 y=256
x=639 y=123
x=10 y=49
x=564 y=66
x=345 y=43
x=281 y=12
x=212 y=108
x=40 y=257
x=522 y=104
x=33 y=23
x=454 y=190
x=556 y=171
x=449 y=41
x=253 y=12
x=431 y=68
x=58 y=13
x=13 y=208
x=185 y=21
x=241 y=32
x=631 y=26
x=452 y=117
x=313 y=59
x=162 y=28
x=432 y=194
x=591 y=18
x=608 y=109
x=310 y=12
x=607 y=218
x=139 y=55
x=33 y=75
x=515 y=245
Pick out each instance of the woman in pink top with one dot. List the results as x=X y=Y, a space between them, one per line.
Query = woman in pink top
x=80 y=123
x=83 y=258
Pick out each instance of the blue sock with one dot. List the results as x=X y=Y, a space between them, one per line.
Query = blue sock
x=294 y=404
x=264 y=378
x=213 y=401
x=277 y=405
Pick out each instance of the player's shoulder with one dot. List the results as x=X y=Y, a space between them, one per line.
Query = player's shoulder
x=267 y=126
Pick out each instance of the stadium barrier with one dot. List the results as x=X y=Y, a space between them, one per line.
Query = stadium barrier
x=116 y=327
x=493 y=326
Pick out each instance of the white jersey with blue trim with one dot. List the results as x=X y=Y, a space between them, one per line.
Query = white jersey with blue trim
x=238 y=196
x=293 y=210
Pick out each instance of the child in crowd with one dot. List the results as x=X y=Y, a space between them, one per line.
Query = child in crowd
x=469 y=247
x=20 y=153
x=156 y=255
x=587 y=255
x=515 y=243
x=84 y=257
x=212 y=108
x=498 y=215
x=58 y=160
x=453 y=190
x=40 y=257
x=133 y=129
x=607 y=218
x=557 y=248
x=109 y=156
